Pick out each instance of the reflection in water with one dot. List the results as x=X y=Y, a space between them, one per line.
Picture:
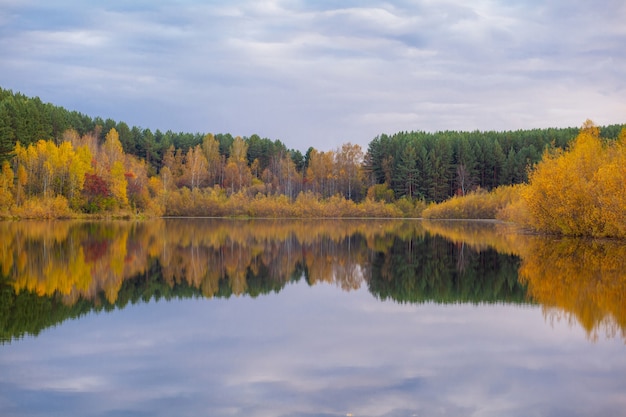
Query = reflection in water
x=54 y=271
x=429 y=268
x=578 y=280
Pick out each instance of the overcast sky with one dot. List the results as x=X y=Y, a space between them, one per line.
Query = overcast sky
x=321 y=73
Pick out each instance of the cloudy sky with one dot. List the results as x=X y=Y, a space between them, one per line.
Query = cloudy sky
x=321 y=73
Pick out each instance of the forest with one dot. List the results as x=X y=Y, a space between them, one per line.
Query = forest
x=60 y=163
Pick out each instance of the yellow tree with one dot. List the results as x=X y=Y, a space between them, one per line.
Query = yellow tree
x=118 y=184
x=80 y=166
x=51 y=169
x=173 y=161
x=321 y=173
x=22 y=180
x=69 y=167
x=112 y=149
x=34 y=160
x=6 y=186
x=195 y=168
x=577 y=192
x=111 y=167
x=611 y=187
x=237 y=174
x=349 y=160
x=211 y=149
x=137 y=182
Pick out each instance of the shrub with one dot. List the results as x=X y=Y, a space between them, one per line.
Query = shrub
x=45 y=208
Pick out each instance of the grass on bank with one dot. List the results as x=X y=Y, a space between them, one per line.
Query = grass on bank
x=215 y=203
x=478 y=204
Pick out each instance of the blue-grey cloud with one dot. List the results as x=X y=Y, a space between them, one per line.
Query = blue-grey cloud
x=321 y=73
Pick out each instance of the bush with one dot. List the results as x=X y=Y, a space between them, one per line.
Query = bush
x=45 y=208
x=478 y=204
x=410 y=208
x=580 y=192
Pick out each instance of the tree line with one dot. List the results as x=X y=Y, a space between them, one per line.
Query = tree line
x=64 y=162
x=437 y=166
x=577 y=191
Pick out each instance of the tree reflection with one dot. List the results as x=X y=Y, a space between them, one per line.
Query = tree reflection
x=54 y=271
x=429 y=268
x=578 y=280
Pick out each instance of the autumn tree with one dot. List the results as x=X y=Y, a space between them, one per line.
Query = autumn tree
x=112 y=167
x=52 y=170
x=321 y=175
x=349 y=161
x=136 y=173
x=283 y=175
x=211 y=149
x=6 y=186
x=173 y=160
x=96 y=193
x=195 y=168
x=580 y=191
x=237 y=172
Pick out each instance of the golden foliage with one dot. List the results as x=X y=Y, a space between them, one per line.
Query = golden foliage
x=118 y=184
x=477 y=204
x=579 y=280
x=6 y=188
x=580 y=192
x=45 y=169
x=213 y=202
x=44 y=208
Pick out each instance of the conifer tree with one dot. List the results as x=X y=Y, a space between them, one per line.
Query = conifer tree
x=7 y=143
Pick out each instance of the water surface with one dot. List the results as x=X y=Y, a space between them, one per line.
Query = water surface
x=308 y=318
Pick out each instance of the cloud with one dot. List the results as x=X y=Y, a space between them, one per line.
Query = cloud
x=320 y=73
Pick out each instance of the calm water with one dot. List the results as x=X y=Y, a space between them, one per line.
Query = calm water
x=308 y=318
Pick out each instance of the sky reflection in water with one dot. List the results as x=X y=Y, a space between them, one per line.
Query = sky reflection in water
x=313 y=351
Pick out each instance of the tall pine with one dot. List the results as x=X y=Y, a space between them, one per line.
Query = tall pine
x=7 y=141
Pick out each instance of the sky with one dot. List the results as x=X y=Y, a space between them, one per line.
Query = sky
x=321 y=73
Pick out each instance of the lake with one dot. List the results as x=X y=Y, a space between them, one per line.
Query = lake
x=188 y=317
